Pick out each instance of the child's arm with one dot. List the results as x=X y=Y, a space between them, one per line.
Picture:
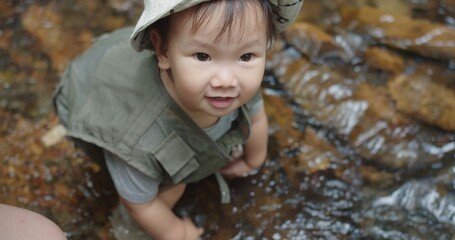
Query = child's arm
x=157 y=219
x=255 y=148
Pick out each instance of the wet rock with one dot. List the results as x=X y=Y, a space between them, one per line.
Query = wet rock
x=4 y=59
x=380 y=105
x=322 y=48
x=304 y=152
x=376 y=177
x=7 y=15
x=46 y=25
x=91 y=6
x=27 y=98
x=364 y=114
x=312 y=41
x=425 y=100
x=448 y=6
x=43 y=179
x=399 y=8
x=23 y=60
x=384 y=60
x=5 y=37
x=279 y=65
x=387 y=217
x=414 y=35
x=121 y=5
x=312 y=11
x=425 y=5
x=6 y=8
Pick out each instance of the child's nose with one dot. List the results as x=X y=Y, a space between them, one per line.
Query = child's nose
x=224 y=77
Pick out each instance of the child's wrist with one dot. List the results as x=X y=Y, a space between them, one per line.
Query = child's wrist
x=185 y=231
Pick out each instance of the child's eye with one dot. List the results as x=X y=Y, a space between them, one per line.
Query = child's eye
x=246 y=57
x=202 y=57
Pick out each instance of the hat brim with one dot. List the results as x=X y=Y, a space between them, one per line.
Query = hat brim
x=285 y=12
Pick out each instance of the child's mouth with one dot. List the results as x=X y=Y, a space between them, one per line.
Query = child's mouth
x=220 y=102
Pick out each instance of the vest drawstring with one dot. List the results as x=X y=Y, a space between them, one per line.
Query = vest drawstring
x=224 y=188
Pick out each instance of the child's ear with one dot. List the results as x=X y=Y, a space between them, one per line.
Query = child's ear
x=160 y=49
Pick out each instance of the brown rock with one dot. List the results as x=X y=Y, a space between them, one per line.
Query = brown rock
x=448 y=5
x=400 y=8
x=45 y=23
x=363 y=113
x=420 y=97
x=315 y=152
x=373 y=175
x=415 y=35
x=311 y=40
x=383 y=60
x=380 y=105
x=279 y=58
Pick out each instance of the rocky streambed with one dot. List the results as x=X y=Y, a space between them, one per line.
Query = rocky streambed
x=361 y=101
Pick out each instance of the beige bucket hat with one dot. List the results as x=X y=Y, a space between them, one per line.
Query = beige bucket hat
x=285 y=11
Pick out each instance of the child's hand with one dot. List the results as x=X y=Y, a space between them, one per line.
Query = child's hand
x=238 y=165
x=191 y=231
x=236 y=168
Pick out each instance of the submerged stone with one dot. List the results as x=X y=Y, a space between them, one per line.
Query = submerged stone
x=312 y=41
x=415 y=35
x=384 y=60
x=364 y=114
x=424 y=99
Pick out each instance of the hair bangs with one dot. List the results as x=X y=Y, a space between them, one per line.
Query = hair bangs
x=235 y=12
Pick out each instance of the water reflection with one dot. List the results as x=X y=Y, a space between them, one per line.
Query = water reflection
x=361 y=136
x=414 y=206
x=421 y=195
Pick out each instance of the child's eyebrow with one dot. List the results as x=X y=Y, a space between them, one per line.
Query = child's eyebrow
x=254 y=43
x=197 y=43
x=209 y=44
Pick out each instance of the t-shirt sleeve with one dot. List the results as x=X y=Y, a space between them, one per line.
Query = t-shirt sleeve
x=255 y=103
x=255 y=107
x=131 y=184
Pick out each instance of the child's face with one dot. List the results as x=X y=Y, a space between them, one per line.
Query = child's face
x=211 y=77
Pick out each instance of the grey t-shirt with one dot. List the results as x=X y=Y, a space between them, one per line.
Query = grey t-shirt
x=135 y=186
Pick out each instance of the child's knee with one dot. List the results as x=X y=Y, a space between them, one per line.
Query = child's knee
x=18 y=223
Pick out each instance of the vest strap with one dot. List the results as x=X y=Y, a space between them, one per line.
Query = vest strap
x=224 y=188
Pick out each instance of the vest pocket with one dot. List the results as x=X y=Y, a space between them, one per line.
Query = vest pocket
x=176 y=157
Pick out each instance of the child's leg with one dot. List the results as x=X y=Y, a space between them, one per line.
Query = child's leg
x=157 y=218
x=17 y=223
x=171 y=194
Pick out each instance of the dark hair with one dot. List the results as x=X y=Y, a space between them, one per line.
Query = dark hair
x=234 y=9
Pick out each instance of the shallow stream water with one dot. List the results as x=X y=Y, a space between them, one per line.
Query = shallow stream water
x=360 y=97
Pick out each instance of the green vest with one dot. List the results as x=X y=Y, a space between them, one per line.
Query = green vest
x=112 y=97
